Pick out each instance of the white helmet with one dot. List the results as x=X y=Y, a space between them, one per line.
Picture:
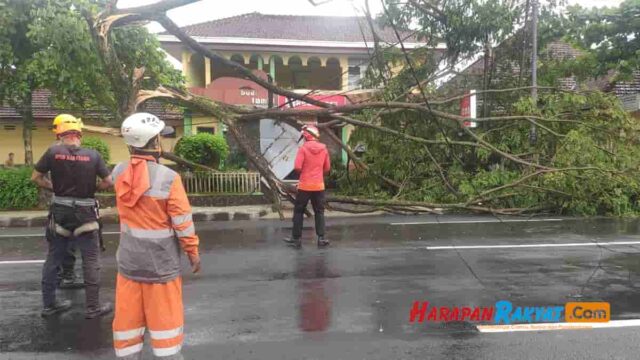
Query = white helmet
x=139 y=128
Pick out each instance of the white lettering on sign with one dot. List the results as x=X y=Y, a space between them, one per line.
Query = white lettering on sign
x=247 y=92
x=297 y=103
x=259 y=101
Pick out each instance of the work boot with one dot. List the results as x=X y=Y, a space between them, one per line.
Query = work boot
x=103 y=310
x=322 y=242
x=293 y=242
x=57 y=307
x=71 y=282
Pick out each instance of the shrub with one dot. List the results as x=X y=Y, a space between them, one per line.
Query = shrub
x=18 y=192
x=204 y=149
x=236 y=161
x=98 y=145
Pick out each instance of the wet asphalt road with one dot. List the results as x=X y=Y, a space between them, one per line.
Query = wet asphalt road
x=257 y=299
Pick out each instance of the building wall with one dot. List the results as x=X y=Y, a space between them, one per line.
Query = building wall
x=43 y=137
x=205 y=122
x=333 y=74
x=196 y=69
x=193 y=69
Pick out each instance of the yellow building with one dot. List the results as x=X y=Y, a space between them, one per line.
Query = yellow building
x=298 y=52
x=11 y=140
x=320 y=55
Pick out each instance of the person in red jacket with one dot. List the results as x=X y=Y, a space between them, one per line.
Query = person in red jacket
x=312 y=163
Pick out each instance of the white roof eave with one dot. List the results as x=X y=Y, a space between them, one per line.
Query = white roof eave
x=287 y=42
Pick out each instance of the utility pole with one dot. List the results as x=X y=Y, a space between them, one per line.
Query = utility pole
x=533 y=136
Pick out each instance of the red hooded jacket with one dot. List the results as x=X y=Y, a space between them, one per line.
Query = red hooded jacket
x=312 y=162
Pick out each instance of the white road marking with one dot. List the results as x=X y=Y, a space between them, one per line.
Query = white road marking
x=557 y=326
x=18 y=262
x=37 y=235
x=486 y=247
x=474 y=221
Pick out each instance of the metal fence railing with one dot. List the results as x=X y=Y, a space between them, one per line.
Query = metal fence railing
x=222 y=182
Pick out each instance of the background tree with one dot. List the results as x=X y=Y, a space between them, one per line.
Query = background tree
x=68 y=57
x=450 y=168
x=466 y=27
x=18 y=80
x=610 y=38
x=48 y=45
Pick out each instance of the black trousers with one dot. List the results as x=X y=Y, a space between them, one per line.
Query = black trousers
x=88 y=244
x=317 y=201
x=67 y=269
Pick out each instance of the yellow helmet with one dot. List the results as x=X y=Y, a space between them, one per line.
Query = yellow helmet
x=63 y=118
x=64 y=123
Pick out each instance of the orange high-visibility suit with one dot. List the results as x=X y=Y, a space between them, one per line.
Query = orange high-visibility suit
x=155 y=221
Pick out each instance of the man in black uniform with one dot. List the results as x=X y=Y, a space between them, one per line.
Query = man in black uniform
x=67 y=278
x=73 y=217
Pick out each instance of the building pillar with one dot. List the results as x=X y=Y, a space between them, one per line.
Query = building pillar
x=344 y=69
x=272 y=68
x=345 y=156
x=260 y=63
x=186 y=58
x=207 y=71
x=346 y=135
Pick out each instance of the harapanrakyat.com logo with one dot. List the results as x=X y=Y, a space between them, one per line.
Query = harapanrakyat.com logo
x=505 y=313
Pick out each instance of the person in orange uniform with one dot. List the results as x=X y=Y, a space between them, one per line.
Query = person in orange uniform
x=312 y=162
x=155 y=222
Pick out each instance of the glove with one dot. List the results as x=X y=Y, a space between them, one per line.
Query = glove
x=195 y=263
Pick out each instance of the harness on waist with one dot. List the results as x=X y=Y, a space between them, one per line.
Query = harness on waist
x=73 y=216
x=73 y=201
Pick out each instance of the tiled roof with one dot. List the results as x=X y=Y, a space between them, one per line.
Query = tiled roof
x=42 y=109
x=162 y=110
x=295 y=27
x=627 y=87
x=559 y=50
x=39 y=103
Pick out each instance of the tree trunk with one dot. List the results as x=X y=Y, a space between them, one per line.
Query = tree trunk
x=485 y=73
x=275 y=188
x=26 y=112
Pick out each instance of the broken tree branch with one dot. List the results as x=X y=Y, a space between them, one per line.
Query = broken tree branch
x=357 y=160
x=171 y=27
x=155 y=8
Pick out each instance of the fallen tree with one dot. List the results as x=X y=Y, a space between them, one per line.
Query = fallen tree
x=458 y=171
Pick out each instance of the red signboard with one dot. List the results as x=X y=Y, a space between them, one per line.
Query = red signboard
x=468 y=108
x=465 y=103
x=236 y=91
x=335 y=100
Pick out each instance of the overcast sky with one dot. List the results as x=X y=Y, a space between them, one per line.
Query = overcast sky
x=206 y=10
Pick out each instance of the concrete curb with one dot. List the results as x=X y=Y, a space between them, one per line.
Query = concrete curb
x=110 y=215
x=14 y=219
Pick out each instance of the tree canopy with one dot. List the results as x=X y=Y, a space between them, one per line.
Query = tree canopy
x=48 y=45
x=69 y=65
x=610 y=37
